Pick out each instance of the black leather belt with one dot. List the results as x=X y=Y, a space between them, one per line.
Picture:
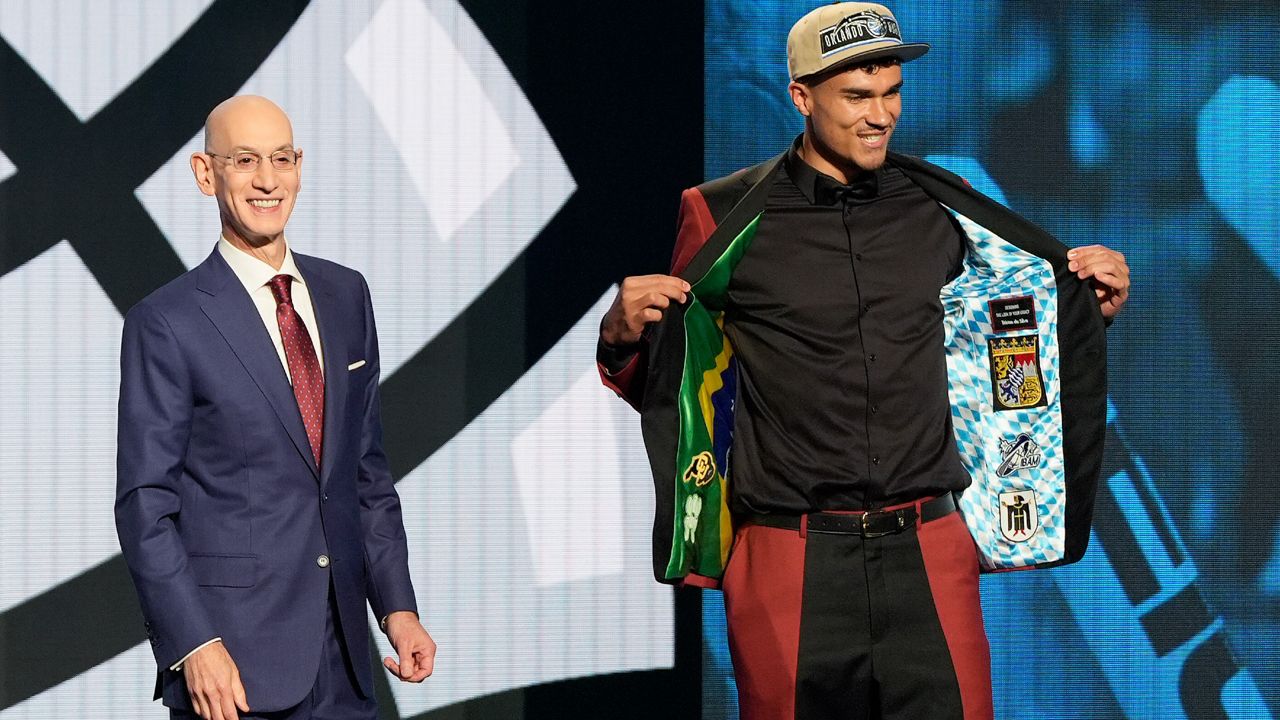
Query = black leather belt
x=869 y=524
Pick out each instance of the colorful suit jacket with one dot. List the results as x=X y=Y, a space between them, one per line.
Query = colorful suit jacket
x=1026 y=358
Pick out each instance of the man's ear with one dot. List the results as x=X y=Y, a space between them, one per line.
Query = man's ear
x=801 y=97
x=202 y=168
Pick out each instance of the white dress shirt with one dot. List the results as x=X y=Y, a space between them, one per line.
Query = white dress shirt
x=255 y=275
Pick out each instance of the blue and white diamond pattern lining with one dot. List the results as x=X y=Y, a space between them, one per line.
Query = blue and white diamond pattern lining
x=993 y=269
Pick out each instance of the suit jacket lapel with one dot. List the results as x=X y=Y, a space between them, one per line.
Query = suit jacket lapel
x=325 y=303
x=756 y=183
x=954 y=192
x=232 y=311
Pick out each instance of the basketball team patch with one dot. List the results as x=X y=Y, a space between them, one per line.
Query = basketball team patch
x=1016 y=380
x=863 y=27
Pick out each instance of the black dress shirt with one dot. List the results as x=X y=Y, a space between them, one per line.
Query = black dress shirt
x=835 y=318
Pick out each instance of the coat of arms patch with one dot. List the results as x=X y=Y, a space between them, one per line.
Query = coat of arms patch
x=1016 y=380
x=1019 y=515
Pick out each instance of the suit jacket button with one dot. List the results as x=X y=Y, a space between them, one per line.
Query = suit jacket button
x=323 y=561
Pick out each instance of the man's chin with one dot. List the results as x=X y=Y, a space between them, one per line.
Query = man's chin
x=869 y=162
x=259 y=237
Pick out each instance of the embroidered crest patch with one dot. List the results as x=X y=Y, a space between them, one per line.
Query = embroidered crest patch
x=701 y=469
x=1019 y=515
x=1016 y=380
x=1021 y=454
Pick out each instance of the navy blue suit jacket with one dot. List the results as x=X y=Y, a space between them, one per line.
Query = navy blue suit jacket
x=221 y=511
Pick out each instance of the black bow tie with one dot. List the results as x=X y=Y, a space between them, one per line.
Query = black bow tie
x=862 y=186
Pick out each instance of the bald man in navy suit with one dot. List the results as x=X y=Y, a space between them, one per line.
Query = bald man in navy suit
x=254 y=503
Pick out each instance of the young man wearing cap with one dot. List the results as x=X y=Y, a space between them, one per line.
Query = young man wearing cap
x=856 y=332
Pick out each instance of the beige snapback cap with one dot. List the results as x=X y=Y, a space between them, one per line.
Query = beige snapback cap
x=843 y=33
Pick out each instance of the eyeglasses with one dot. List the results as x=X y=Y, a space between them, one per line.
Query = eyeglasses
x=247 y=161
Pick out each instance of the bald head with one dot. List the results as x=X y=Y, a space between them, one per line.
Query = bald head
x=238 y=120
x=250 y=165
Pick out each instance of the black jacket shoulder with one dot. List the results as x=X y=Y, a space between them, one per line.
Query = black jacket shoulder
x=723 y=194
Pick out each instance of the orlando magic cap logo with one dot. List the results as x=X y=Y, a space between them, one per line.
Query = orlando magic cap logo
x=840 y=34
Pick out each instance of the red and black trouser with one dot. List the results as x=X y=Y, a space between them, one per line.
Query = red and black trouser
x=875 y=617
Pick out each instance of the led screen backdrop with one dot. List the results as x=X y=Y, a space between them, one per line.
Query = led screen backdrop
x=1151 y=127
x=452 y=155
x=493 y=168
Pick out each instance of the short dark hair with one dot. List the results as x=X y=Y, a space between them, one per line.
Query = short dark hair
x=871 y=67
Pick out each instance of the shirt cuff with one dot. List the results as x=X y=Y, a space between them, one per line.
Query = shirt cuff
x=383 y=622
x=178 y=665
x=615 y=358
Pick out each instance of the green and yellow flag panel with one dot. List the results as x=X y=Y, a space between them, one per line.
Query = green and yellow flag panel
x=703 y=531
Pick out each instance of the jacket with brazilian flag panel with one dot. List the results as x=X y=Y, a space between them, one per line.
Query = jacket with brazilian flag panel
x=1026 y=361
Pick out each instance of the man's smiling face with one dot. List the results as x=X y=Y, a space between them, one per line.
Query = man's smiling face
x=254 y=206
x=853 y=113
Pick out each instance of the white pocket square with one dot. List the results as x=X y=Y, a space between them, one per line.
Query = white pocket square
x=356 y=365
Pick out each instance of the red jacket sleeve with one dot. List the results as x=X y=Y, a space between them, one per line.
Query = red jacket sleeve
x=695 y=225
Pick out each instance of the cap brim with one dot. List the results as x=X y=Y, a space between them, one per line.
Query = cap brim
x=906 y=52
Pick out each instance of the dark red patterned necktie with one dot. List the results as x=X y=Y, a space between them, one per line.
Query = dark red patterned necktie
x=304 y=368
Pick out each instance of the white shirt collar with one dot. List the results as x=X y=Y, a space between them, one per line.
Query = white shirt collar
x=252 y=272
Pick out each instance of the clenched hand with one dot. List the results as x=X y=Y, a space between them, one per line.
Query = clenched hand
x=1109 y=273
x=640 y=301
x=415 y=647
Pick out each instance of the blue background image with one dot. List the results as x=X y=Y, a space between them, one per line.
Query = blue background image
x=1151 y=128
